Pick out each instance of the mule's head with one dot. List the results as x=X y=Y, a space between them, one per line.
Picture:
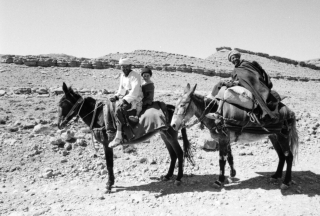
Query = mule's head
x=67 y=106
x=184 y=109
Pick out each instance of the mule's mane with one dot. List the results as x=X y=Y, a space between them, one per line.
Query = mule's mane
x=201 y=101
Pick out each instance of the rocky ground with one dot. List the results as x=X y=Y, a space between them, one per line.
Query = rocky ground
x=45 y=171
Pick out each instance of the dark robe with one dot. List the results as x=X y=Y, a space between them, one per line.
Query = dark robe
x=251 y=76
x=148 y=93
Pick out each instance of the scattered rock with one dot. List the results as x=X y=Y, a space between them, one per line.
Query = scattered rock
x=81 y=142
x=2 y=92
x=68 y=135
x=64 y=161
x=12 y=129
x=245 y=152
x=68 y=146
x=27 y=125
x=3 y=120
x=55 y=141
x=42 y=129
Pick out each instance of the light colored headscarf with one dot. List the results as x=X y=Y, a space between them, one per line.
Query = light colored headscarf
x=233 y=52
x=125 y=61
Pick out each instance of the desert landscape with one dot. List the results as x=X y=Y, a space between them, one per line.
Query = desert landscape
x=46 y=171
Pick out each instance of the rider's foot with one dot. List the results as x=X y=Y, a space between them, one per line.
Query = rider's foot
x=134 y=119
x=115 y=142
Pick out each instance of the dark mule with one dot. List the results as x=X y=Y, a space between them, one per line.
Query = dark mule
x=73 y=104
x=286 y=146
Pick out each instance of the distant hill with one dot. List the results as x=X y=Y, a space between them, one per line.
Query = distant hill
x=58 y=56
x=277 y=67
x=158 y=58
x=314 y=62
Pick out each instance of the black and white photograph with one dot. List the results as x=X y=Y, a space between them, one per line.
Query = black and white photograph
x=159 y=107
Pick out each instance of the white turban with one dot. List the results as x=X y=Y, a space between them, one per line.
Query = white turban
x=125 y=61
x=233 y=52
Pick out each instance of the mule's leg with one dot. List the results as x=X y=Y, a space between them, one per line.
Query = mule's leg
x=285 y=147
x=173 y=157
x=108 y=152
x=230 y=162
x=223 y=148
x=275 y=142
x=173 y=140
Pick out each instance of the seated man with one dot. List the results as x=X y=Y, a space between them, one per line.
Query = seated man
x=129 y=95
x=251 y=76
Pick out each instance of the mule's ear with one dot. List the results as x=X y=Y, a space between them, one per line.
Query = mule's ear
x=193 y=89
x=187 y=88
x=65 y=88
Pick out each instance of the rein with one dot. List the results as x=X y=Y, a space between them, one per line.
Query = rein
x=75 y=106
x=202 y=116
x=70 y=113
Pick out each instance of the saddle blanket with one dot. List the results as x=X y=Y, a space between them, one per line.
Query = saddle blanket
x=151 y=119
x=235 y=117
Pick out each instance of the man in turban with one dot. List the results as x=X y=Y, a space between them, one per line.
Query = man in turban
x=129 y=96
x=252 y=76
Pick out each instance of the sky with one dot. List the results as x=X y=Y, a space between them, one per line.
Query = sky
x=94 y=28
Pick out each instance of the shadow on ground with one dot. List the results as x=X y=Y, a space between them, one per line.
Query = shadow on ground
x=304 y=182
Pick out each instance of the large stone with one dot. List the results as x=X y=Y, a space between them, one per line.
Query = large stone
x=97 y=64
x=47 y=62
x=42 y=90
x=74 y=63
x=206 y=142
x=2 y=92
x=18 y=60
x=81 y=142
x=42 y=129
x=62 y=63
x=22 y=90
x=86 y=64
x=7 y=60
x=68 y=135
x=31 y=62
x=55 y=141
x=57 y=91
x=28 y=125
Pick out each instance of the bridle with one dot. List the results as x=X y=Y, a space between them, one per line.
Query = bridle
x=79 y=102
x=183 y=122
x=200 y=119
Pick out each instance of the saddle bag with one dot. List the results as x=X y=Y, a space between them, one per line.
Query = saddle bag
x=240 y=96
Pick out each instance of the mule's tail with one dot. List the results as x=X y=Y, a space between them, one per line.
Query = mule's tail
x=187 y=148
x=294 y=140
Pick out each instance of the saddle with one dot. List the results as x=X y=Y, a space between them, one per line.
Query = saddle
x=238 y=111
x=152 y=118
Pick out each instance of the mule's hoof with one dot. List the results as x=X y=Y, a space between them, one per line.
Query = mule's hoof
x=177 y=183
x=164 y=178
x=217 y=185
x=273 y=180
x=233 y=173
x=284 y=186
x=108 y=191
x=229 y=180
